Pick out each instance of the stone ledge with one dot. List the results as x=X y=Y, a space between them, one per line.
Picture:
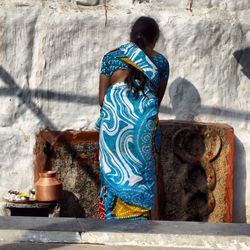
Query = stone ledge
x=26 y=223
x=179 y=241
x=134 y=233
x=165 y=227
x=12 y=235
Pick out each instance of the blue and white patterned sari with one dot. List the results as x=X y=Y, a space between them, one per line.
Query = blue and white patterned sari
x=127 y=125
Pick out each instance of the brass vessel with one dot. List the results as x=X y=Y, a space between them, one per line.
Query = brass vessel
x=48 y=187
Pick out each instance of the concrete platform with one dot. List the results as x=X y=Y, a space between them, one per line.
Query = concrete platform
x=42 y=246
x=168 y=234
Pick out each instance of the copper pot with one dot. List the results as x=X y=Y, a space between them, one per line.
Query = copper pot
x=48 y=188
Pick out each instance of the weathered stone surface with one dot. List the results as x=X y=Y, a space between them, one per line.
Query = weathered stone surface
x=197 y=170
x=15 y=161
x=74 y=156
x=118 y=234
x=87 y=2
x=50 y=55
x=194 y=177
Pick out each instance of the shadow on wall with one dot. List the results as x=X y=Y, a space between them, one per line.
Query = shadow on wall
x=243 y=58
x=25 y=96
x=186 y=105
x=70 y=206
x=185 y=99
x=239 y=212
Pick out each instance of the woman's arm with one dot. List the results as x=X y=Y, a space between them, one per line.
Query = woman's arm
x=161 y=91
x=164 y=75
x=103 y=85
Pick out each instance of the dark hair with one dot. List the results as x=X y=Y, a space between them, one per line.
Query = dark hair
x=144 y=31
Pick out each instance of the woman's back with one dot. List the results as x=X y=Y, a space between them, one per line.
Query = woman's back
x=111 y=64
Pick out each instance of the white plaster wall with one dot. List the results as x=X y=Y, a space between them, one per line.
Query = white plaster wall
x=50 y=54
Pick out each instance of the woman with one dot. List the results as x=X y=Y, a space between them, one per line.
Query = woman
x=133 y=80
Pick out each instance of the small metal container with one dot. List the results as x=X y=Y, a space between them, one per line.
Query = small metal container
x=48 y=187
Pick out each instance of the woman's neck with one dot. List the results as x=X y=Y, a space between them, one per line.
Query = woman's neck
x=150 y=51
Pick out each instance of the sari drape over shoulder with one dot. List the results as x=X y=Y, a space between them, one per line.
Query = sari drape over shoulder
x=127 y=126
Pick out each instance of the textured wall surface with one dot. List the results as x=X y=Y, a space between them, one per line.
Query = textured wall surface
x=50 y=54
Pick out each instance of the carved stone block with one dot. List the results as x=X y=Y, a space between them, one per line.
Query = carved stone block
x=194 y=172
x=74 y=156
x=197 y=166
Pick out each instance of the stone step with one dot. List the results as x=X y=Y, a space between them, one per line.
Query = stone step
x=167 y=234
